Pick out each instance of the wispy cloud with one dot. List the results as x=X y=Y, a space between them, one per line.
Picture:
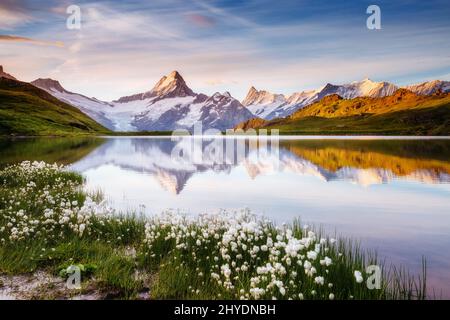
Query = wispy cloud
x=12 y=38
x=286 y=46
x=201 y=20
x=13 y=14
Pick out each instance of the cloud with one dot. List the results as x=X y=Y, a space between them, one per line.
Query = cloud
x=124 y=48
x=12 y=14
x=201 y=20
x=4 y=37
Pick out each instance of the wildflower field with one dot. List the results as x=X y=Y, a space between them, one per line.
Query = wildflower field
x=48 y=222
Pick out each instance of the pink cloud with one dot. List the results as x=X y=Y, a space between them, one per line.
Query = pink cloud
x=201 y=20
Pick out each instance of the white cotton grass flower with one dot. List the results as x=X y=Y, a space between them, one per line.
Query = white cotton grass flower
x=312 y=255
x=319 y=280
x=326 y=261
x=358 y=276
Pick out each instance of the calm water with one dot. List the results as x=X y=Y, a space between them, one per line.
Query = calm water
x=391 y=194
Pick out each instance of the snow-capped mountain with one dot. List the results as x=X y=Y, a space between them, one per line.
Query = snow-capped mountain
x=169 y=105
x=262 y=103
x=364 y=88
x=298 y=100
x=170 y=86
x=96 y=109
x=430 y=87
x=294 y=102
x=5 y=75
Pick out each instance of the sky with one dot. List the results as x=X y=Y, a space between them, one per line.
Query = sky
x=125 y=47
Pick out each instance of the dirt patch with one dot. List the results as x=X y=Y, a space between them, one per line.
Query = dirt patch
x=42 y=285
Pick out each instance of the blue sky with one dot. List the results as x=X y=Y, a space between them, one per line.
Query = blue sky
x=282 y=46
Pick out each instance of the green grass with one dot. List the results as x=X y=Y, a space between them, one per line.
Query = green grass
x=30 y=111
x=403 y=113
x=427 y=121
x=47 y=222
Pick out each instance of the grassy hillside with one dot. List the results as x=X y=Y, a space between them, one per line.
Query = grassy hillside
x=403 y=113
x=27 y=110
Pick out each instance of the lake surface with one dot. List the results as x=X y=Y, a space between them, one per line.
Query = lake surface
x=392 y=194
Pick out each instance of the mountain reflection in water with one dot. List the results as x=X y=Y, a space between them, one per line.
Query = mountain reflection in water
x=361 y=162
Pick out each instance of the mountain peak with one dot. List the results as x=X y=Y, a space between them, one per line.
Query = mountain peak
x=5 y=75
x=430 y=87
x=48 y=84
x=172 y=85
x=261 y=97
x=174 y=75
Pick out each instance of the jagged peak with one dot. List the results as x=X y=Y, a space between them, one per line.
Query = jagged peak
x=48 y=84
x=5 y=75
x=255 y=96
x=173 y=84
x=174 y=75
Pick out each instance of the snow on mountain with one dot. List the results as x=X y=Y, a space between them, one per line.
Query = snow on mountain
x=5 y=75
x=364 y=88
x=430 y=87
x=293 y=103
x=96 y=109
x=170 y=86
x=261 y=104
x=171 y=105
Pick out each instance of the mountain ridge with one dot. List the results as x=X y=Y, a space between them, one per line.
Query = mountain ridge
x=5 y=75
x=28 y=110
x=404 y=112
x=171 y=104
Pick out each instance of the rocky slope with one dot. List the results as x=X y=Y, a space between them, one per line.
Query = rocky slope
x=264 y=104
x=404 y=112
x=5 y=75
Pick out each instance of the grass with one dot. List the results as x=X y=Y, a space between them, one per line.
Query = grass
x=403 y=113
x=47 y=222
x=29 y=111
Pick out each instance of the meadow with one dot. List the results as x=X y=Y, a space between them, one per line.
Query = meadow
x=48 y=222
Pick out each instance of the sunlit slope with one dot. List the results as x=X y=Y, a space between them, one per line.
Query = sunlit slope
x=403 y=113
x=27 y=110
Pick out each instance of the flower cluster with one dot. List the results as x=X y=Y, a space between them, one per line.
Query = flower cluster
x=42 y=200
x=246 y=256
